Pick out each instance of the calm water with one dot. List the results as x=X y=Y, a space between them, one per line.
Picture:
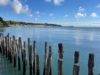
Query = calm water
x=84 y=40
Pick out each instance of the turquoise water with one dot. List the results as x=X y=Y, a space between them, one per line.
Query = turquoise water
x=84 y=40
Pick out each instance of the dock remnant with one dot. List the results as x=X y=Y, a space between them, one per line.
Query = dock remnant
x=60 y=59
x=90 y=64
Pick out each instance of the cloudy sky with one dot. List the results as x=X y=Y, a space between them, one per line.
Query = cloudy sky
x=65 y=12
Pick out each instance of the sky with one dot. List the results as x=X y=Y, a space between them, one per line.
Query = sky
x=63 y=12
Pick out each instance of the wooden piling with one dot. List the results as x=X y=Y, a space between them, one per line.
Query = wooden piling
x=60 y=59
x=76 y=66
x=3 y=45
x=10 y=50
x=45 y=58
x=48 y=65
x=14 y=51
x=90 y=64
x=19 y=60
x=76 y=57
x=20 y=46
x=6 y=46
x=30 y=59
x=34 y=57
x=24 y=60
x=37 y=65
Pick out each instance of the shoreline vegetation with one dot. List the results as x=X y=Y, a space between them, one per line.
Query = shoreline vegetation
x=4 y=23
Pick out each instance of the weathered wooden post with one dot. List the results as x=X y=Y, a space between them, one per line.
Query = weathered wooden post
x=76 y=66
x=45 y=58
x=34 y=58
x=10 y=50
x=90 y=64
x=18 y=48
x=0 y=42
x=5 y=45
x=28 y=44
x=24 y=60
x=14 y=51
x=1 y=45
x=37 y=65
x=60 y=59
x=30 y=59
x=48 y=65
x=8 y=46
x=30 y=56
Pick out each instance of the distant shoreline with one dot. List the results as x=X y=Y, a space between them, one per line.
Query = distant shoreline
x=4 y=23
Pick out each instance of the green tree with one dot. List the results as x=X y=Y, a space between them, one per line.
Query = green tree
x=1 y=19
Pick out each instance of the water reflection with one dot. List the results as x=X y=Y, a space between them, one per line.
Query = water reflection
x=91 y=36
x=86 y=40
x=78 y=37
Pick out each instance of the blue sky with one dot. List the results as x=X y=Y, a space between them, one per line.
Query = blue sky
x=64 y=12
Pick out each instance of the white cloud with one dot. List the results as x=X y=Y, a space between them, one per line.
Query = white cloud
x=81 y=9
x=55 y=2
x=80 y=13
x=93 y=14
x=31 y=15
x=66 y=15
x=4 y=2
x=18 y=8
x=51 y=14
x=37 y=12
x=98 y=6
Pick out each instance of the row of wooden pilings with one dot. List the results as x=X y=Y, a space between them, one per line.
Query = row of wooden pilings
x=15 y=52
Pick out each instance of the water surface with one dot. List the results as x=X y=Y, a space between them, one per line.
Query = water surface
x=84 y=40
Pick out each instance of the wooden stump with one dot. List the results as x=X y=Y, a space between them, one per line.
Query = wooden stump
x=76 y=66
x=90 y=64
x=60 y=59
x=34 y=53
x=37 y=65
x=45 y=58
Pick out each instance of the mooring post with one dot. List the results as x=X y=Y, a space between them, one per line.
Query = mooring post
x=4 y=52
x=34 y=57
x=20 y=47
x=60 y=59
x=0 y=42
x=48 y=67
x=6 y=46
x=19 y=61
x=45 y=58
x=90 y=64
x=37 y=65
x=3 y=45
x=14 y=51
x=76 y=66
x=24 y=60
x=28 y=44
x=10 y=50
x=30 y=59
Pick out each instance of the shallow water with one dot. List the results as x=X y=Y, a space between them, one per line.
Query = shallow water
x=84 y=40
